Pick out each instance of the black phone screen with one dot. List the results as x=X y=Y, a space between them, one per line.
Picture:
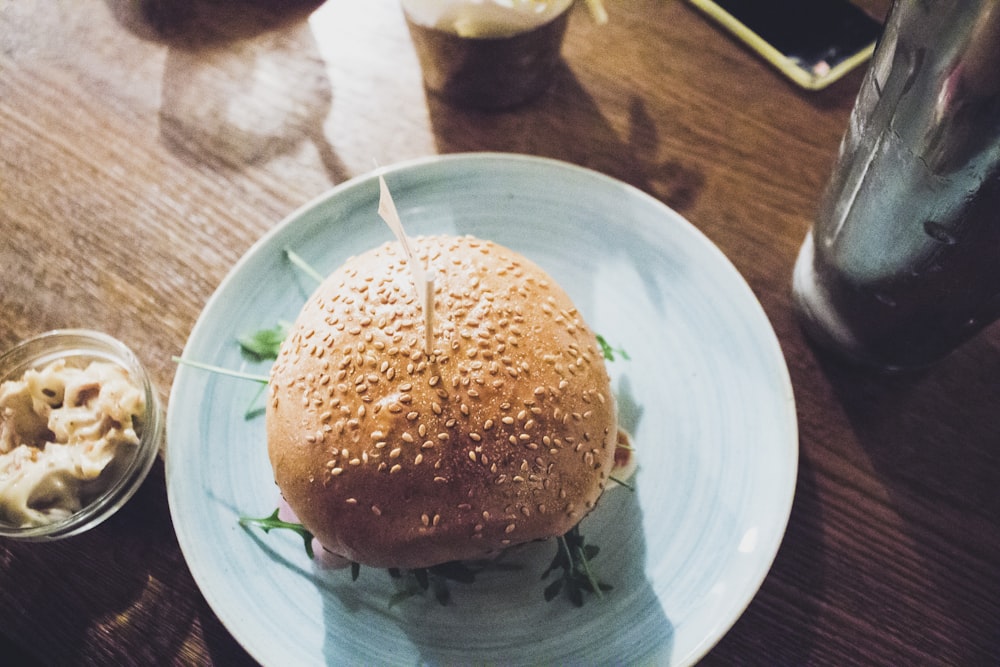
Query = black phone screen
x=810 y=32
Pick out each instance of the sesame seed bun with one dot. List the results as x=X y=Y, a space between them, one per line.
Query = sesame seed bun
x=395 y=458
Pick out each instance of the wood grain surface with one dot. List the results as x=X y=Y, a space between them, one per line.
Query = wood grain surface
x=146 y=144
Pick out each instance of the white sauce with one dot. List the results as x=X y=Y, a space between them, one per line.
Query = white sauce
x=60 y=428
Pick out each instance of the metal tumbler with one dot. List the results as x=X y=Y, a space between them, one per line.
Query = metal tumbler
x=902 y=264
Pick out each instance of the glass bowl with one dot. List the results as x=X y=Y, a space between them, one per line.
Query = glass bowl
x=128 y=468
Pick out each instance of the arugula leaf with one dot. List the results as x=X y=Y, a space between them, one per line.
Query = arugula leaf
x=573 y=557
x=269 y=523
x=264 y=344
x=609 y=352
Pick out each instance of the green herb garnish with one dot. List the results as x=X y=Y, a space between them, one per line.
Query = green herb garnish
x=573 y=557
x=264 y=344
x=269 y=523
x=222 y=371
x=621 y=482
x=609 y=352
x=303 y=265
x=436 y=579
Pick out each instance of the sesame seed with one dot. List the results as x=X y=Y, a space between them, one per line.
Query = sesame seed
x=336 y=471
x=396 y=468
x=509 y=529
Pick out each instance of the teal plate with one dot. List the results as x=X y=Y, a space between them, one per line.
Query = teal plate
x=706 y=396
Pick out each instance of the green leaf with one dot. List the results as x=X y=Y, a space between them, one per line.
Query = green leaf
x=573 y=557
x=263 y=344
x=609 y=352
x=255 y=408
x=269 y=523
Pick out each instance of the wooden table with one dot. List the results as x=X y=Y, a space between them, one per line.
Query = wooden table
x=145 y=145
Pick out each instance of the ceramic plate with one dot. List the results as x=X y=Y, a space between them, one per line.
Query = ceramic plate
x=705 y=394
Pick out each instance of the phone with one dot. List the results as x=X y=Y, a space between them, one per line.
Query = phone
x=812 y=42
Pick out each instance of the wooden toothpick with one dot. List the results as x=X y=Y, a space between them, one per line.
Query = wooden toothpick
x=422 y=280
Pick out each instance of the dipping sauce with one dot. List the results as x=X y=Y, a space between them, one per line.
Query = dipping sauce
x=62 y=428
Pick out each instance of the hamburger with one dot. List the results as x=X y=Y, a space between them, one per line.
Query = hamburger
x=399 y=449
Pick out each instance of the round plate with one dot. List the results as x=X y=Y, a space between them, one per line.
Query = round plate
x=705 y=394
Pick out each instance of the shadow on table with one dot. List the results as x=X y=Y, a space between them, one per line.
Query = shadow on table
x=927 y=504
x=909 y=553
x=566 y=124
x=933 y=441
x=108 y=587
x=243 y=80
